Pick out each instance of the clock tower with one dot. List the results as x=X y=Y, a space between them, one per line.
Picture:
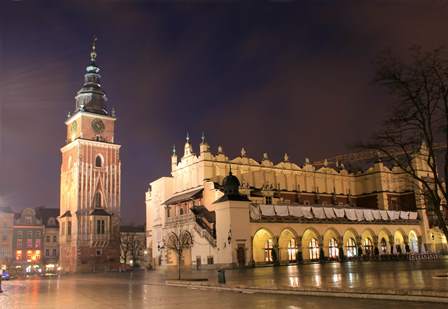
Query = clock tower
x=89 y=220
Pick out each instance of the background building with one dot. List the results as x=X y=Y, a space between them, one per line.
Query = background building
x=133 y=246
x=27 y=241
x=6 y=236
x=285 y=211
x=50 y=252
x=90 y=182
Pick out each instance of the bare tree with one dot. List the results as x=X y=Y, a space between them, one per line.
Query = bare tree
x=417 y=129
x=135 y=248
x=178 y=240
x=126 y=244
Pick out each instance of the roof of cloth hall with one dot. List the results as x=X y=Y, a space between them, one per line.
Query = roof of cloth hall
x=184 y=196
x=336 y=214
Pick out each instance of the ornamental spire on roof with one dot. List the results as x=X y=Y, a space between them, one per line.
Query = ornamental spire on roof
x=91 y=97
x=93 y=51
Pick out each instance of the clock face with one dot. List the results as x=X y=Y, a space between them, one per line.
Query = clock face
x=74 y=126
x=98 y=125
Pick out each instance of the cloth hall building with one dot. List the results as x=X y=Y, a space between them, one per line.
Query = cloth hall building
x=244 y=212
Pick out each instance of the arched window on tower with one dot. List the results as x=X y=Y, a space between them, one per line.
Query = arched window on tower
x=97 y=200
x=98 y=161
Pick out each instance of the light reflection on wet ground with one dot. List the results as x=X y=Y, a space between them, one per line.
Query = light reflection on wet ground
x=146 y=289
x=119 y=291
x=360 y=275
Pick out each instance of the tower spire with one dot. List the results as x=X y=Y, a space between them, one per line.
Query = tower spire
x=91 y=97
x=93 y=51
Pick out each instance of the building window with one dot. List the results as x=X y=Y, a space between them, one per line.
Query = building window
x=55 y=238
x=47 y=238
x=97 y=200
x=19 y=255
x=20 y=234
x=37 y=243
x=30 y=234
x=351 y=247
x=28 y=220
x=99 y=252
x=268 y=200
x=63 y=228
x=268 y=250
x=292 y=250
x=98 y=161
x=47 y=252
x=210 y=260
x=38 y=234
x=333 y=250
x=29 y=243
x=313 y=249
x=29 y=255
x=368 y=246
x=19 y=243
x=100 y=227
x=69 y=228
x=54 y=252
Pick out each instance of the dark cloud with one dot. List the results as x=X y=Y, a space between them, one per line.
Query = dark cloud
x=278 y=77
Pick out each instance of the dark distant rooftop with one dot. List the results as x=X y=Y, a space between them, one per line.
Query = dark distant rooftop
x=132 y=229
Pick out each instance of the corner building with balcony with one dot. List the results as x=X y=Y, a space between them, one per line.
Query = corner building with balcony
x=246 y=212
x=89 y=220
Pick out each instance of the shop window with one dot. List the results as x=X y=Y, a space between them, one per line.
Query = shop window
x=383 y=246
x=351 y=248
x=268 y=245
x=313 y=248
x=368 y=246
x=292 y=250
x=19 y=255
x=333 y=250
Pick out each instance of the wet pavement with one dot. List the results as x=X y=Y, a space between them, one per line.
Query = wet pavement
x=120 y=291
x=147 y=289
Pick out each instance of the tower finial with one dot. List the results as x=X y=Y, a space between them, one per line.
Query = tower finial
x=188 y=137
x=93 y=51
x=203 y=137
x=174 y=149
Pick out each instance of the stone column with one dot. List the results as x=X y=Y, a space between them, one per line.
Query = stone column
x=376 y=250
x=406 y=244
x=275 y=251
x=299 y=258
x=251 y=250
x=392 y=244
x=419 y=243
x=359 y=245
x=321 y=248
x=341 y=249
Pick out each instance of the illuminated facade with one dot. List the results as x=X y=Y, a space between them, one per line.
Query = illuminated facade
x=90 y=182
x=6 y=236
x=27 y=241
x=287 y=212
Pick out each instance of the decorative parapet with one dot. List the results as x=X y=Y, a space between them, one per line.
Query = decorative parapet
x=320 y=214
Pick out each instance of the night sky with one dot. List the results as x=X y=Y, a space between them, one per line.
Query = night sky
x=274 y=77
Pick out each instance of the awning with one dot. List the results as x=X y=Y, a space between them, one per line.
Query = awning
x=184 y=196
